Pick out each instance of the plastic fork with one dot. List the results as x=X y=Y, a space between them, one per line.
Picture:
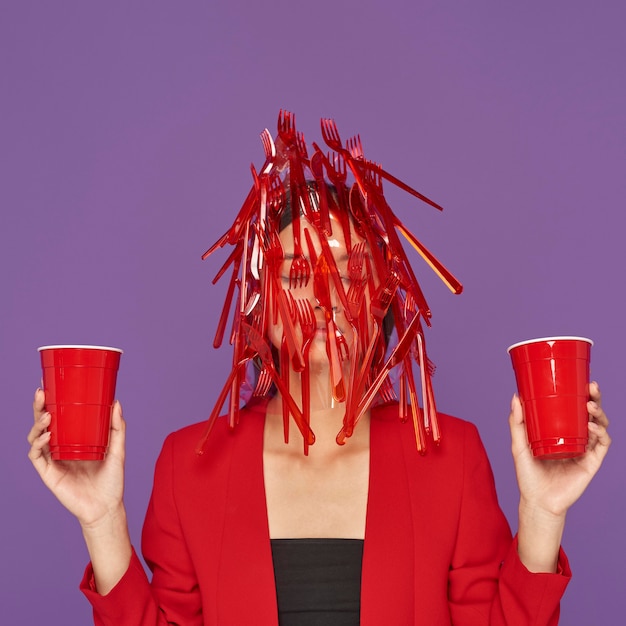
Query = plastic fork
x=355 y=147
x=260 y=347
x=358 y=164
x=335 y=168
x=332 y=139
x=397 y=355
x=283 y=357
x=339 y=165
x=308 y=324
x=233 y=234
x=273 y=253
x=381 y=301
x=416 y=412
x=357 y=319
x=322 y=294
x=330 y=134
x=321 y=217
x=286 y=125
x=276 y=197
x=263 y=383
x=410 y=306
x=300 y=270
x=245 y=357
x=446 y=276
x=270 y=151
x=387 y=392
x=374 y=167
x=221 y=326
x=389 y=220
x=356 y=262
x=301 y=145
x=321 y=290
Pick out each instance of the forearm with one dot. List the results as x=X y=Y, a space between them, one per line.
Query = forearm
x=110 y=550
x=539 y=538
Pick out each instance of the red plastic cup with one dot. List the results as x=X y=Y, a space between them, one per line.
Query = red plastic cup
x=552 y=375
x=79 y=383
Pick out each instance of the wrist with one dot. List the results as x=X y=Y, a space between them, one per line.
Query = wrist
x=109 y=547
x=539 y=537
x=111 y=521
x=535 y=514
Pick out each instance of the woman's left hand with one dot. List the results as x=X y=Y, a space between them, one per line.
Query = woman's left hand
x=552 y=486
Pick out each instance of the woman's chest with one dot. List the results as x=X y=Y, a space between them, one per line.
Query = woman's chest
x=317 y=499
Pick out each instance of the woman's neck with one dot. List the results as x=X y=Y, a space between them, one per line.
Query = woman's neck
x=326 y=413
x=326 y=420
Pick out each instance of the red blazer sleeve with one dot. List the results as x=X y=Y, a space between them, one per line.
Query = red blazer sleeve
x=488 y=584
x=173 y=597
x=129 y=602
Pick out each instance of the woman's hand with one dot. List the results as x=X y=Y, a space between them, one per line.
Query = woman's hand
x=554 y=485
x=90 y=490
x=549 y=487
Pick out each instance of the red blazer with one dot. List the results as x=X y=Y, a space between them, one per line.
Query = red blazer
x=437 y=550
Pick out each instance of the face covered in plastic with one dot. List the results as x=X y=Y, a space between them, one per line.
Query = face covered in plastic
x=312 y=289
x=334 y=328
x=319 y=300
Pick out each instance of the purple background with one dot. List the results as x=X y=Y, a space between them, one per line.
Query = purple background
x=127 y=130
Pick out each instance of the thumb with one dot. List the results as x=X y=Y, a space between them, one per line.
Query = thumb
x=519 y=439
x=118 y=431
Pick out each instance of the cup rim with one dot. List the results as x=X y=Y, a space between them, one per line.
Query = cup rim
x=556 y=338
x=79 y=346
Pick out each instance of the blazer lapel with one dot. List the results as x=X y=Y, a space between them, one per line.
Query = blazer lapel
x=387 y=583
x=246 y=573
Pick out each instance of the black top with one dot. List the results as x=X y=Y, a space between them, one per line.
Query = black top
x=318 y=581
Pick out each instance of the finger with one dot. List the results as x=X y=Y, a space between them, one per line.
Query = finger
x=596 y=414
x=39 y=427
x=594 y=393
x=39 y=403
x=118 y=430
x=39 y=453
x=601 y=439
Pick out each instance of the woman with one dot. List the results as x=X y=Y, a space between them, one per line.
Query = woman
x=274 y=524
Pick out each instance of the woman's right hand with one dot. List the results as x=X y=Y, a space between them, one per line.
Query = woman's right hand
x=90 y=490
